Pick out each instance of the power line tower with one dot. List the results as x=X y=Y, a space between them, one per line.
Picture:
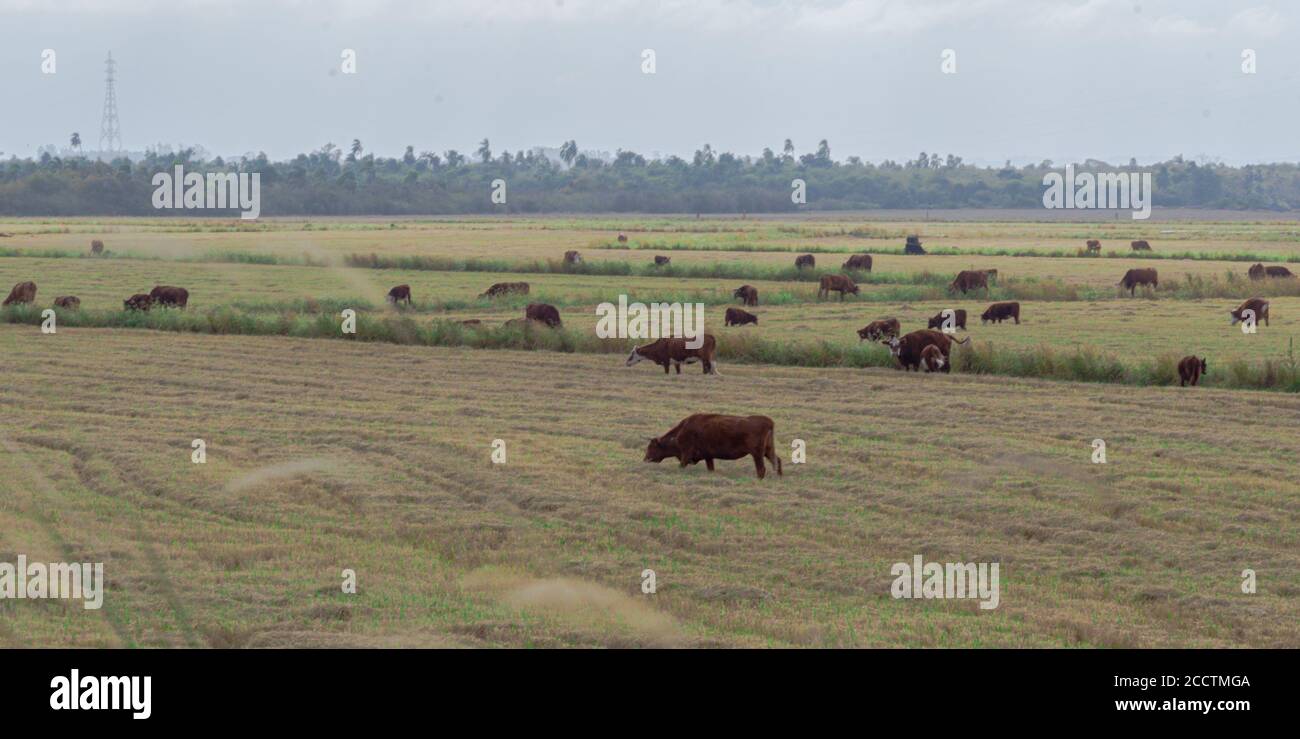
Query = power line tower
x=110 y=132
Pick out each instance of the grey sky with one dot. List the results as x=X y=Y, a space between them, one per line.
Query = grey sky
x=1036 y=79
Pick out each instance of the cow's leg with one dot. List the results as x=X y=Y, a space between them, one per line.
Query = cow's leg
x=708 y=462
x=758 y=465
x=678 y=365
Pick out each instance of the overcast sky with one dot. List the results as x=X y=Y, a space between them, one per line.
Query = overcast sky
x=1036 y=79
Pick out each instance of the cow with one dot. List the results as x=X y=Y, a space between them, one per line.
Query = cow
x=71 y=302
x=547 y=314
x=1260 y=272
x=96 y=247
x=859 y=262
x=968 y=280
x=572 y=257
x=748 y=294
x=885 y=327
x=675 y=352
x=907 y=349
x=805 y=260
x=958 y=319
x=913 y=246
x=933 y=360
x=1259 y=305
x=1094 y=246
x=709 y=436
x=622 y=238
x=738 y=317
x=999 y=312
x=167 y=296
x=1140 y=245
x=1190 y=370
x=23 y=292
x=838 y=283
x=399 y=294
x=139 y=301
x=1135 y=277
x=505 y=288
x=662 y=261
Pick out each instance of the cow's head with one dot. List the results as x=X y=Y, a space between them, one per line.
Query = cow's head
x=1204 y=369
x=658 y=450
x=864 y=334
x=853 y=289
x=634 y=357
x=894 y=345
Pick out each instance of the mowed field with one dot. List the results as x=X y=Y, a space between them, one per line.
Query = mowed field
x=326 y=455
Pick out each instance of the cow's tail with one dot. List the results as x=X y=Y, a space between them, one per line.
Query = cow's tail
x=963 y=342
x=770 y=451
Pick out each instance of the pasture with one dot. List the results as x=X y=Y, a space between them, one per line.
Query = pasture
x=327 y=454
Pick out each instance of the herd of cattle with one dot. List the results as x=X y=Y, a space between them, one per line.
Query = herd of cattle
x=710 y=436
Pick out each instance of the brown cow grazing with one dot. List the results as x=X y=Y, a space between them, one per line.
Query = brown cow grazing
x=738 y=317
x=506 y=288
x=71 y=302
x=838 y=283
x=1094 y=246
x=1190 y=370
x=999 y=312
x=399 y=294
x=166 y=296
x=858 y=261
x=968 y=280
x=1259 y=305
x=885 y=327
x=1140 y=245
x=933 y=360
x=547 y=314
x=675 y=352
x=1137 y=277
x=1260 y=272
x=662 y=261
x=622 y=238
x=907 y=349
x=23 y=292
x=139 y=301
x=748 y=294
x=96 y=247
x=709 y=436
x=806 y=260
x=958 y=319
x=572 y=257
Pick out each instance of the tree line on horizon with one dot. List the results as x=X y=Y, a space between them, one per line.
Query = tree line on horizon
x=335 y=181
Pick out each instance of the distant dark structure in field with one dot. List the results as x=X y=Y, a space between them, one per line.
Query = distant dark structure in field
x=913 y=246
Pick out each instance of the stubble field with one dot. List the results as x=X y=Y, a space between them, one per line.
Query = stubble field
x=326 y=455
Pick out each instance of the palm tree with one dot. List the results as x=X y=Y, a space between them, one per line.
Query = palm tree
x=356 y=150
x=788 y=149
x=484 y=151
x=76 y=142
x=569 y=152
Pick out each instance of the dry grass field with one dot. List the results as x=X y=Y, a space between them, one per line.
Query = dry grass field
x=325 y=455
